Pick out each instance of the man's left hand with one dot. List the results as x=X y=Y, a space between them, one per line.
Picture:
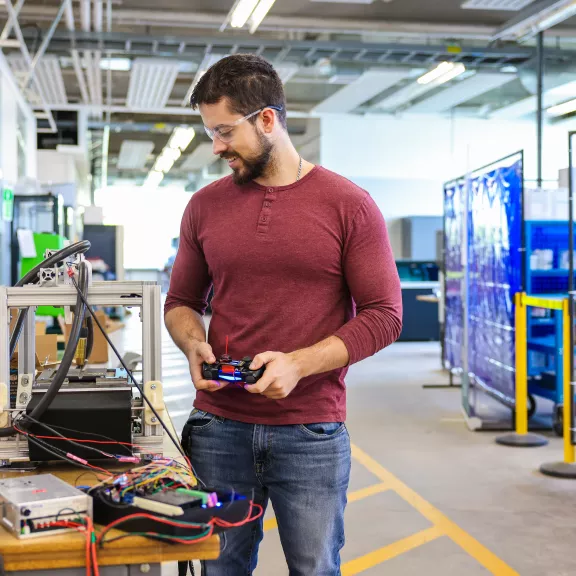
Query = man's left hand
x=280 y=377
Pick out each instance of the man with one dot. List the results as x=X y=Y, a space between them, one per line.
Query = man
x=292 y=251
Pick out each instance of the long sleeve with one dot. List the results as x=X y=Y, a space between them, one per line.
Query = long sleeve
x=190 y=281
x=372 y=278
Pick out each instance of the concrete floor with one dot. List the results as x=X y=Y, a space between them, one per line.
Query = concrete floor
x=447 y=500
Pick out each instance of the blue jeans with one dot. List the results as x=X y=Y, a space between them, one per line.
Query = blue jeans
x=302 y=469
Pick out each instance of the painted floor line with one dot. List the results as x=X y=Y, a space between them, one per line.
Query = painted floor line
x=391 y=551
x=355 y=496
x=469 y=544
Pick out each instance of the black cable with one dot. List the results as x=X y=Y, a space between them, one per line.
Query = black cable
x=32 y=277
x=123 y=446
x=70 y=441
x=61 y=456
x=89 y=337
x=69 y=353
x=128 y=371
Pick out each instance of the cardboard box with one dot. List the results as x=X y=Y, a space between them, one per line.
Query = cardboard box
x=47 y=348
x=100 y=349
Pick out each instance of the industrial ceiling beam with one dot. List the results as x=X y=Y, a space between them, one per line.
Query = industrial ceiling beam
x=532 y=19
x=42 y=49
x=355 y=53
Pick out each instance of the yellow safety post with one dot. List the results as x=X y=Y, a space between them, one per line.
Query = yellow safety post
x=521 y=437
x=567 y=468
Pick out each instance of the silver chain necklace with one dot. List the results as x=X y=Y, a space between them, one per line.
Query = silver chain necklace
x=299 y=169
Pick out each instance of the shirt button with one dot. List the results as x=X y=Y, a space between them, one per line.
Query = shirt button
x=270 y=190
x=263 y=219
x=266 y=204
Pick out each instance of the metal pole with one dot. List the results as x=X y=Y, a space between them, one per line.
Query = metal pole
x=570 y=213
x=45 y=43
x=8 y=26
x=540 y=112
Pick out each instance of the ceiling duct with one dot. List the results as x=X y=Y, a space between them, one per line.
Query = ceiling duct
x=368 y=85
x=461 y=92
x=151 y=82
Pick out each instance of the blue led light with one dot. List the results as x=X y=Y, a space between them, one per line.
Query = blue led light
x=229 y=378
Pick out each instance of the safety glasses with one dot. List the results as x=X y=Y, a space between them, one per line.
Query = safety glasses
x=225 y=132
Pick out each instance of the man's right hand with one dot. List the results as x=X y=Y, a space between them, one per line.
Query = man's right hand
x=202 y=352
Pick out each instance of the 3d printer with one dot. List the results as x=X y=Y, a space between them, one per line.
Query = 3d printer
x=93 y=402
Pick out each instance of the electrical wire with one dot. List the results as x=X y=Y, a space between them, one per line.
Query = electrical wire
x=130 y=374
x=70 y=351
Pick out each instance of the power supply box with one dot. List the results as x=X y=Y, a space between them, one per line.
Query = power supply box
x=32 y=506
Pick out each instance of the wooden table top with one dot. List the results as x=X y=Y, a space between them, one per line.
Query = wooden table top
x=67 y=550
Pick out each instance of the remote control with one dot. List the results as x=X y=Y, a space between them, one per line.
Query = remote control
x=232 y=370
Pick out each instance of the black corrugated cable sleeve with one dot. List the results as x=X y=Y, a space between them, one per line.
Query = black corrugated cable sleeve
x=69 y=353
x=32 y=277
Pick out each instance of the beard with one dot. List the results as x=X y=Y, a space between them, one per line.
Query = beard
x=252 y=166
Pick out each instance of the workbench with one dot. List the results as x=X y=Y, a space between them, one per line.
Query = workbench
x=64 y=554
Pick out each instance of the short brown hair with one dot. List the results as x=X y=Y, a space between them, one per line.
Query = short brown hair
x=247 y=81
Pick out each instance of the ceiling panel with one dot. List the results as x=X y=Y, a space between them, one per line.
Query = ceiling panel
x=461 y=92
x=134 y=154
x=361 y=90
x=151 y=82
x=48 y=75
x=201 y=156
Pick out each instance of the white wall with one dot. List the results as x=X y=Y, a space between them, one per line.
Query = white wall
x=10 y=101
x=404 y=161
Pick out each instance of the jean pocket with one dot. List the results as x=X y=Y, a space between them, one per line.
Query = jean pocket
x=199 y=420
x=323 y=429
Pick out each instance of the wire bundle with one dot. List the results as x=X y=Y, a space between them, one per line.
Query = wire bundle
x=85 y=525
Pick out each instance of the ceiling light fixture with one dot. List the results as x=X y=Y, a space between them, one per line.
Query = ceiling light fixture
x=259 y=14
x=181 y=138
x=444 y=72
x=241 y=12
x=153 y=180
x=179 y=141
x=562 y=109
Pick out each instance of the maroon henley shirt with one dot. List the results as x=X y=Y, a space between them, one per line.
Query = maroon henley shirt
x=291 y=266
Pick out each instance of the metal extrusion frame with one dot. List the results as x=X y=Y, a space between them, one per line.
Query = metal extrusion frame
x=143 y=295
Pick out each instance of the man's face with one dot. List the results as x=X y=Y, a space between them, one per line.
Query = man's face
x=245 y=147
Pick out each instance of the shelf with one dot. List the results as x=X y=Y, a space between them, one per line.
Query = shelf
x=545 y=344
x=553 y=272
x=542 y=321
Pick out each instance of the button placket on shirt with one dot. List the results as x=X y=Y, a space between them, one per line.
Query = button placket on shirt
x=266 y=210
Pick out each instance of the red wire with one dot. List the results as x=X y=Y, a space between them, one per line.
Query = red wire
x=85 y=440
x=107 y=472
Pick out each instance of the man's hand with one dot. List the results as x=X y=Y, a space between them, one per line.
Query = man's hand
x=280 y=377
x=202 y=352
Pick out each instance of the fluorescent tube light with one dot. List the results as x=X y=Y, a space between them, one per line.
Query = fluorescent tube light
x=259 y=14
x=153 y=180
x=116 y=64
x=163 y=164
x=562 y=109
x=442 y=69
x=450 y=75
x=241 y=12
x=181 y=138
x=171 y=153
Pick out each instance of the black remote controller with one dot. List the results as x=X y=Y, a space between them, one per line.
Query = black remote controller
x=232 y=370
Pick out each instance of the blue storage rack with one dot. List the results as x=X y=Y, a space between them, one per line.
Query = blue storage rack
x=544 y=332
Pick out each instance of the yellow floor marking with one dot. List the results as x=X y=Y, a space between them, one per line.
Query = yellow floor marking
x=355 y=496
x=469 y=544
x=391 y=551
